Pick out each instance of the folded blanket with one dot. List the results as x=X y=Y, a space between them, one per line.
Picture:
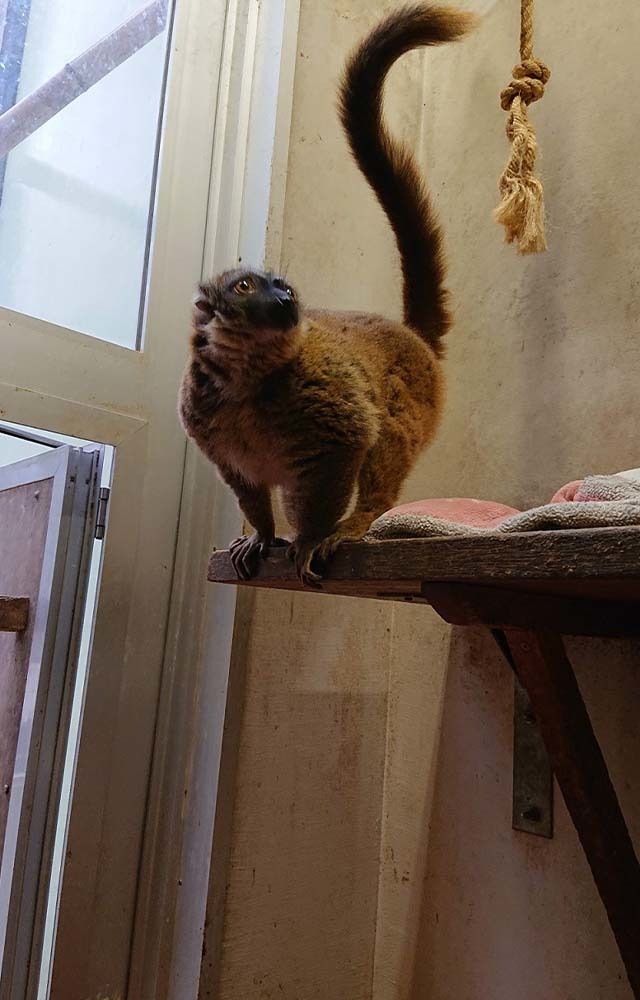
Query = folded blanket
x=594 y=502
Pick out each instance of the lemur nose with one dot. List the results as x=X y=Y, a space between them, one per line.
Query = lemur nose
x=203 y=305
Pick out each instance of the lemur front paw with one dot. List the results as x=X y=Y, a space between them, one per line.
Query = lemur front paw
x=247 y=551
x=311 y=556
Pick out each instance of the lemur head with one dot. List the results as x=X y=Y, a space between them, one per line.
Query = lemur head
x=245 y=302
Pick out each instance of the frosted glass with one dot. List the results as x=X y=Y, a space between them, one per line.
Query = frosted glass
x=77 y=195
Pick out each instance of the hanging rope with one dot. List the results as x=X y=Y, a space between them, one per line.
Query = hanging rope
x=521 y=211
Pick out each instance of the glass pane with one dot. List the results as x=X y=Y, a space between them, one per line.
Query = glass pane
x=14 y=449
x=75 y=195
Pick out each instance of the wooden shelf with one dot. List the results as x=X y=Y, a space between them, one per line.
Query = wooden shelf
x=574 y=582
x=530 y=589
x=14 y=614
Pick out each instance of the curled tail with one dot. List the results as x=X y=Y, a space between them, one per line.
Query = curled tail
x=390 y=168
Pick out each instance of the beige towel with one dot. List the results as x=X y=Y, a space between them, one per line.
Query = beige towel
x=600 y=502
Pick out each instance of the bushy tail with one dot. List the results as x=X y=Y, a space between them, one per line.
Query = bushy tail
x=390 y=168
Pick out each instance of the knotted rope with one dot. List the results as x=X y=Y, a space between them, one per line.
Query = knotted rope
x=521 y=211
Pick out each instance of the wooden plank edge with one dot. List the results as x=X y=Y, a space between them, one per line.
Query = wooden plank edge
x=599 y=553
x=14 y=614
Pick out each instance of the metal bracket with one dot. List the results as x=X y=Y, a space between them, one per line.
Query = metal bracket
x=532 y=774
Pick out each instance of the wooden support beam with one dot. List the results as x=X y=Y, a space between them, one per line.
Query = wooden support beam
x=14 y=614
x=579 y=766
x=506 y=607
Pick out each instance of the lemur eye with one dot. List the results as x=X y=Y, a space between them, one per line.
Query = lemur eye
x=244 y=287
x=289 y=290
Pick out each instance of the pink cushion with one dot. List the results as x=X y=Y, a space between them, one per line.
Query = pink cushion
x=480 y=513
x=568 y=493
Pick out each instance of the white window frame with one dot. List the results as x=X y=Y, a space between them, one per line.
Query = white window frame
x=155 y=698
x=245 y=221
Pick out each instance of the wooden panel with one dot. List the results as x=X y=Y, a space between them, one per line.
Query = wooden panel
x=14 y=614
x=24 y=516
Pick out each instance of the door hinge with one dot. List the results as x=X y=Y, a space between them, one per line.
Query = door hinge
x=101 y=512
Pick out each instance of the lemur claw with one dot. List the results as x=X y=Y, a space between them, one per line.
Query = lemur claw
x=247 y=551
x=302 y=554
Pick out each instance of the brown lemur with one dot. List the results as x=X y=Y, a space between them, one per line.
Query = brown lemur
x=328 y=405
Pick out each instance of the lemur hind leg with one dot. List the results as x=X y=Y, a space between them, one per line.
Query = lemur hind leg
x=381 y=477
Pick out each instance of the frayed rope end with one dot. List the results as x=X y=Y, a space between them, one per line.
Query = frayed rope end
x=522 y=213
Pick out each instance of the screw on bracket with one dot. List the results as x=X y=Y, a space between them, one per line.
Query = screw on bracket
x=532 y=814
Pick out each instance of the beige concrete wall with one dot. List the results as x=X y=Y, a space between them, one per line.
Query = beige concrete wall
x=371 y=847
